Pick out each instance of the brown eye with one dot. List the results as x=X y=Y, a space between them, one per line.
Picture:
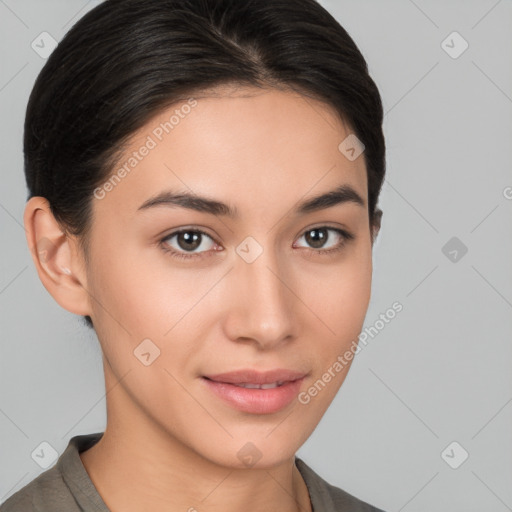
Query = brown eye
x=317 y=238
x=187 y=241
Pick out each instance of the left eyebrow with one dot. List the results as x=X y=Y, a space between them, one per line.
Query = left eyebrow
x=343 y=194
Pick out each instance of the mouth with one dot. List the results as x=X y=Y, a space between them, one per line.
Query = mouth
x=256 y=392
x=252 y=378
x=249 y=385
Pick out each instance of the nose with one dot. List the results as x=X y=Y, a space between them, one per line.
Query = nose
x=263 y=307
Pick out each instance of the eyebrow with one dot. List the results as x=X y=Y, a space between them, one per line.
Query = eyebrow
x=342 y=194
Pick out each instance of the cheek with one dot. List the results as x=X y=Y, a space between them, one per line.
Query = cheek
x=139 y=295
x=144 y=298
x=339 y=300
x=340 y=294
x=138 y=322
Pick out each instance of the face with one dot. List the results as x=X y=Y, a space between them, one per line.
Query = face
x=182 y=290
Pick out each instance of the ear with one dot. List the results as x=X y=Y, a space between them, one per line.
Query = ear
x=57 y=258
x=376 y=224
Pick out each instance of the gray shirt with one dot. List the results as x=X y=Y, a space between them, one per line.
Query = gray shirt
x=66 y=487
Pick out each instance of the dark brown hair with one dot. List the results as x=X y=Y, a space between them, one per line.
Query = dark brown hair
x=126 y=60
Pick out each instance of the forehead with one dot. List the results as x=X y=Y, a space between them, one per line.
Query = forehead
x=251 y=147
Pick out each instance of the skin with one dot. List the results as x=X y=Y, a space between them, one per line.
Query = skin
x=170 y=444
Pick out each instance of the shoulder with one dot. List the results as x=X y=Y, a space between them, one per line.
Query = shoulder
x=65 y=487
x=327 y=497
x=47 y=492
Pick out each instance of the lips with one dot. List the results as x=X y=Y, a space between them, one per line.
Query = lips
x=256 y=392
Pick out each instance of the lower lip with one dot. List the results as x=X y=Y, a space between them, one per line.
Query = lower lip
x=256 y=401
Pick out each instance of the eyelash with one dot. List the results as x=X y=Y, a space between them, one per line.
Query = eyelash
x=346 y=237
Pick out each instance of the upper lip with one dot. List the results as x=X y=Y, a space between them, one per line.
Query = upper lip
x=251 y=376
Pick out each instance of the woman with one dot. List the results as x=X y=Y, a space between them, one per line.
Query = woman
x=203 y=184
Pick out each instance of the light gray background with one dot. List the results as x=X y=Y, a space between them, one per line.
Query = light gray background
x=439 y=372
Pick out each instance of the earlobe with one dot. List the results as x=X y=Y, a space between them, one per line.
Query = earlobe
x=55 y=258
